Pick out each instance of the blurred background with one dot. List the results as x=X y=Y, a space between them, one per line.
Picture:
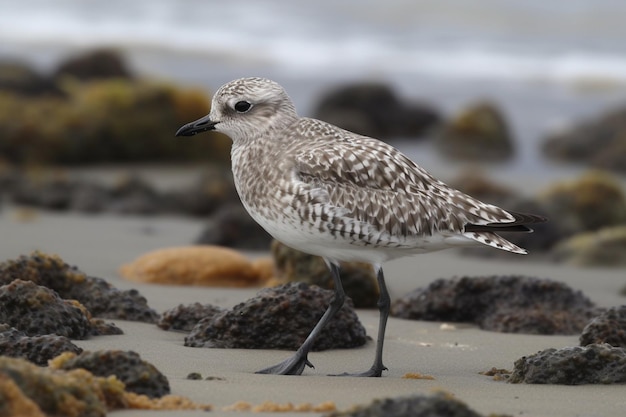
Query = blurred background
x=501 y=98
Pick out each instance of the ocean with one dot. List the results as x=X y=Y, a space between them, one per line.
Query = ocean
x=547 y=64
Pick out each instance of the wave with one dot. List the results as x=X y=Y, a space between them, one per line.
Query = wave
x=297 y=45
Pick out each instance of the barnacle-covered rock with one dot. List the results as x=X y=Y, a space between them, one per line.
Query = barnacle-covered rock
x=511 y=304
x=438 y=405
x=37 y=349
x=280 y=318
x=38 y=310
x=185 y=317
x=609 y=327
x=137 y=375
x=97 y=295
x=591 y=364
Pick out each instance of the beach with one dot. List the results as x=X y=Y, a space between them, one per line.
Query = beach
x=545 y=68
x=453 y=356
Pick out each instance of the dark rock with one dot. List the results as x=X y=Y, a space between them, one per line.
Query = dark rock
x=605 y=247
x=94 y=65
x=510 y=304
x=137 y=375
x=97 y=295
x=20 y=78
x=609 y=327
x=38 y=310
x=478 y=133
x=37 y=349
x=438 y=405
x=233 y=227
x=185 y=317
x=600 y=142
x=89 y=198
x=373 y=109
x=280 y=318
x=358 y=279
x=132 y=195
x=592 y=364
x=213 y=189
x=51 y=194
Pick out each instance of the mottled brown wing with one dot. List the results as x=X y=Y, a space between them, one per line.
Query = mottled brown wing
x=380 y=186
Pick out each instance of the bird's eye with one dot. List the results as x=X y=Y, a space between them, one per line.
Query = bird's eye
x=243 y=106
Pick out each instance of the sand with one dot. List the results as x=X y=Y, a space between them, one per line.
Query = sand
x=99 y=245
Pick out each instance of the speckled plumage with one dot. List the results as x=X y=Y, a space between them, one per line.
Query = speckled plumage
x=330 y=192
x=346 y=197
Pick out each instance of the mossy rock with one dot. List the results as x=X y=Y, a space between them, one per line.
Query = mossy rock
x=113 y=120
x=605 y=247
x=593 y=201
x=478 y=132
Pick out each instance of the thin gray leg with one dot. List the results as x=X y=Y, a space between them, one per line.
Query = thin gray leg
x=295 y=364
x=384 y=303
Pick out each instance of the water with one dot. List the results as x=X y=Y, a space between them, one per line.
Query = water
x=545 y=63
x=531 y=40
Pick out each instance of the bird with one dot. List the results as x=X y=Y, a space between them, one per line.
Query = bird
x=343 y=196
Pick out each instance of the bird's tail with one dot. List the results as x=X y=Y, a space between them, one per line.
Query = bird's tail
x=485 y=233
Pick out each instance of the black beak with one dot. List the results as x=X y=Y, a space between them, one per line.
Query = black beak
x=201 y=125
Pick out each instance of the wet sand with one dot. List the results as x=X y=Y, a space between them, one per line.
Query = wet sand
x=100 y=244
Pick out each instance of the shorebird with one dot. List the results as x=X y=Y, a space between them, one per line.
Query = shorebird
x=342 y=196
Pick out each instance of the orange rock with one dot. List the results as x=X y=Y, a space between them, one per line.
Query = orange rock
x=193 y=265
x=14 y=401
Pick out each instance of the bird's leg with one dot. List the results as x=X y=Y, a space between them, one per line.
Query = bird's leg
x=384 y=303
x=295 y=365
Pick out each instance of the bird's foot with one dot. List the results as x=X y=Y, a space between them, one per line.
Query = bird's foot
x=374 y=371
x=292 y=366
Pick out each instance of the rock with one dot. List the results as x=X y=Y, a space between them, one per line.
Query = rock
x=474 y=182
x=52 y=194
x=233 y=227
x=358 y=279
x=213 y=189
x=37 y=310
x=137 y=375
x=280 y=318
x=600 y=142
x=478 y=133
x=93 y=65
x=593 y=201
x=38 y=391
x=510 y=304
x=97 y=295
x=20 y=78
x=73 y=394
x=417 y=405
x=90 y=198
x=132 y=195
x=604 y=247
x=36 y=349
x=609 y=327
x=185 y=317
x=124 y=120
x=373 y=109
x=592 y=364
x=193 y=265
